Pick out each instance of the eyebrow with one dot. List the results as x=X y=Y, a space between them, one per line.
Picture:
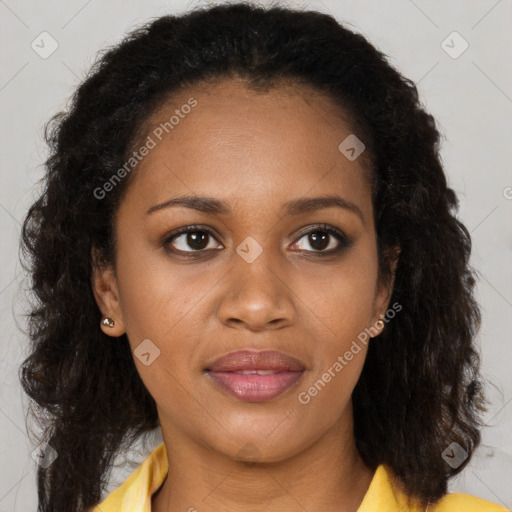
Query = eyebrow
x=294 y=207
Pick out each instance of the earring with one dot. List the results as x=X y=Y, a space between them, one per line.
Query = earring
x=379 y=324
x=108 y=322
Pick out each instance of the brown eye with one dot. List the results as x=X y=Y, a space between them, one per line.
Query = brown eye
x=326 y=240
x=191 y=239
x=319 y=240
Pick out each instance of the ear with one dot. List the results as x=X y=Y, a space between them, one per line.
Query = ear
x=105 y=290
x=385 y=289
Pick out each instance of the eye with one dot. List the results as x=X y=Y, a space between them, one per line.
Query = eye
x=323 y=239
x=191 y=237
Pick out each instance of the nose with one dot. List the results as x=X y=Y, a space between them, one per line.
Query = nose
x=257 y=296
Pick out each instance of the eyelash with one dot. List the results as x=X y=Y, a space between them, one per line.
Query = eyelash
x=344 y=241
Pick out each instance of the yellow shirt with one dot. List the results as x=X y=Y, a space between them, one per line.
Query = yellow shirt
x=134 y=495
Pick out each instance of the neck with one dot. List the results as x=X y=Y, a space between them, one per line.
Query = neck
x=328 y=475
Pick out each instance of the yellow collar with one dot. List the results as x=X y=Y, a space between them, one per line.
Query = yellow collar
x=383 y=495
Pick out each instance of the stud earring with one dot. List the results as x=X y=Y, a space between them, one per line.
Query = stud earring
x=108 y=322
x=379 y=324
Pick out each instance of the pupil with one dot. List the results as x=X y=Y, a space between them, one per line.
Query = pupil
x=317 y=239
x=314 y=239
x=197 y=239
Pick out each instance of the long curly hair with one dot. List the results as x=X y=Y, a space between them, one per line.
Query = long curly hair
x=420 y=387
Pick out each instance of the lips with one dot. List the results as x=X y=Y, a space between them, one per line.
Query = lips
x=247 y=360
x=255 y=376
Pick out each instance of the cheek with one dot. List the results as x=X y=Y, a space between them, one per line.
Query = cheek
x=345 y=306
x=168 y=305
x=339 y=353
x=341 y=296
x=160 y=304
x=154 y=294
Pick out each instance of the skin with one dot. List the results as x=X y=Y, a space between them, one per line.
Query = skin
x=255 y=152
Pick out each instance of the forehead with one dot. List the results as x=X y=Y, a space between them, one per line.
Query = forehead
x=227 y=140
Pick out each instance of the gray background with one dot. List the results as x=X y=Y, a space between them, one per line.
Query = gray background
x=470 y=96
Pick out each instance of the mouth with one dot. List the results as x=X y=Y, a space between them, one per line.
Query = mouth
x=255 y=376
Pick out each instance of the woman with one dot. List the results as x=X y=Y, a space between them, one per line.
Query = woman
x=246 y=238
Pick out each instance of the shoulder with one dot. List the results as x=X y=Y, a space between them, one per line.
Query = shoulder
x=136 y=492
x=453 y=502
x=387 y=494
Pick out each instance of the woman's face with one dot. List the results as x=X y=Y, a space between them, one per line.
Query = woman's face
x=259 y=273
